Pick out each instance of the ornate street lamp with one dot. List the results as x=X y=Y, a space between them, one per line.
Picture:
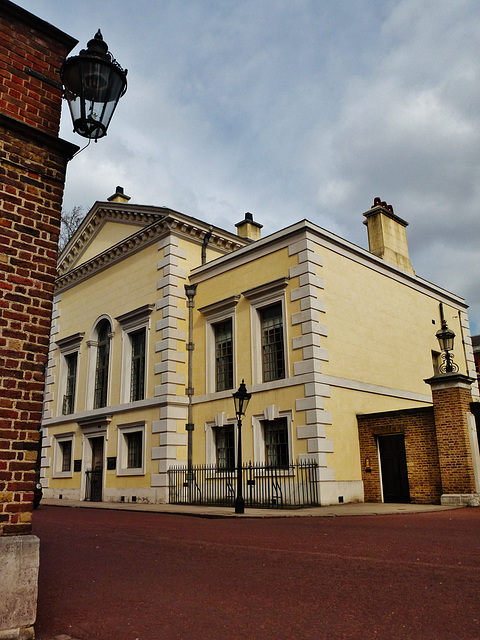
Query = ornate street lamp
x=445 y=337
x=241 y=399
x=94 y=83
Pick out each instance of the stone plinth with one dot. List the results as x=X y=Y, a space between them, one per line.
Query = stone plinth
x=19 y=561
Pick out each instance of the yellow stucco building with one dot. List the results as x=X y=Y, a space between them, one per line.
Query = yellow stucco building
x=159 y=316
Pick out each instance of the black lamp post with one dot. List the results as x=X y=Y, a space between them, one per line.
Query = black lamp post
x=94 y=83
x=445 y=337
x=241 y=399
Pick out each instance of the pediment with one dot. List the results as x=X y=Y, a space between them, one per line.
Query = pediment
x=111 y=232
x=104 y=226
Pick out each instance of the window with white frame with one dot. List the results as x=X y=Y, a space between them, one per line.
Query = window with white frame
x=102 y=365
x=275 y=435
x=98 y=364
x=269 y=331
x=273 y=350
x=221 y=442
x=436 y=362
x=272 y=437
x=131 y=449
x=220 y=344
x=225 y=447
x=223 y=355
x=137 y=374
x=63 y=456
x=135 y=329
x=71 y=383
x=134 y=449
x=69 y=351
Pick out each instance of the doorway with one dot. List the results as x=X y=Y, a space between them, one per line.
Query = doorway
x=393 y=462
x=94 y=484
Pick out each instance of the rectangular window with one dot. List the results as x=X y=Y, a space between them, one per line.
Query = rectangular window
x=273 y=353
x=225 y=442
x=71 y=383
x=63 y=456
x=436 y=362
x=137 y=387
x=223 y=355
x=101 y=373
x=134 y=449
x=66 y=455
x=276 y=442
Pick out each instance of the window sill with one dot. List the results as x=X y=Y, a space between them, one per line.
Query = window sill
x=62 y=474
x=280 y=472
x=131 y=472
x=221 y=473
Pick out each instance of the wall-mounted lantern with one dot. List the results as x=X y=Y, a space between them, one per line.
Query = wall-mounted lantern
x=446 y=337
x=94 y=83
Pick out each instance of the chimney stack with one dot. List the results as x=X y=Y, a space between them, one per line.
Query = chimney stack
x=119 y=196
x=387 y=236
x=248 y=228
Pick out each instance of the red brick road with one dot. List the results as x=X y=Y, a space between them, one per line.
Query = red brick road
x=109 y=575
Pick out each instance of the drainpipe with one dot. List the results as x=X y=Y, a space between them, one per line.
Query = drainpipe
x=206 y=240
x=190 y=291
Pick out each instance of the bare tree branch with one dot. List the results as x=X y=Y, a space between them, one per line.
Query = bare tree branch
x=70 y=222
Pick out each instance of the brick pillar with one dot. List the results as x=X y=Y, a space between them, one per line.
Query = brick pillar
x=456 y=436
x=33 y=163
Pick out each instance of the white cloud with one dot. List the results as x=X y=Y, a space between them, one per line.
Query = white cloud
x=291 y=110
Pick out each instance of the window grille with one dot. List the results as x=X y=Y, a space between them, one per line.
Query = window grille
x=137 y=387
x=273 y=354
x=101 y=374
x=69 y=397
x=223 y=355
x=276 y=442
x=66 y=451
x=134 y=449
x=225 y=441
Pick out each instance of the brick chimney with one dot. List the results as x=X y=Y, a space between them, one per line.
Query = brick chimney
x=248 y=228
x=387 y=236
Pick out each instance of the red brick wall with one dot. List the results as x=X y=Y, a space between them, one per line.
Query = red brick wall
x=418 y=427
x=32 y=174
x=28 y=43
x=451 y=407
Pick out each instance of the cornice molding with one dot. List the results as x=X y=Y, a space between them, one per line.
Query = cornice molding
x=161 y=224
x=310 y=231
x=17 y=13
x=114 y=254
x=44 y=139
x=93 y=225
x=220 y=306
x=266 y=289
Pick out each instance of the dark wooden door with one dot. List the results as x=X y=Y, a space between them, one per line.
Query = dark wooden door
x=96 y=478
x=394 y=469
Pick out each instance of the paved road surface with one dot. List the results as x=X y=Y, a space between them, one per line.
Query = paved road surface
x=120 y=575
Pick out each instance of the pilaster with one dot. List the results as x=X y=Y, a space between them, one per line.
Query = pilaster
x=309 y=293
x=170 y=346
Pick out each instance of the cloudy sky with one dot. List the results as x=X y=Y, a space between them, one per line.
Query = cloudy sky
x=294 y=109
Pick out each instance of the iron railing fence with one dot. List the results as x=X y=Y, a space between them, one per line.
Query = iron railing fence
x=263 y=486
x=93 y=489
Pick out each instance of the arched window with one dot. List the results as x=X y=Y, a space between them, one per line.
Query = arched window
x=101 y=371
